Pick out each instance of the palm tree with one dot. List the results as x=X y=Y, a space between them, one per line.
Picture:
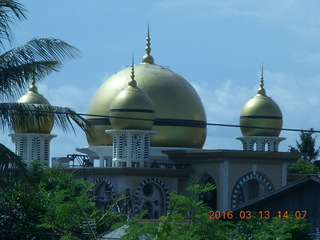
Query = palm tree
x=19 y=66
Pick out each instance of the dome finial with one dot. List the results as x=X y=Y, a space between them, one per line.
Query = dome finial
x=33 y=87
x=132 y=82
x=261 y=90
x=148 y=58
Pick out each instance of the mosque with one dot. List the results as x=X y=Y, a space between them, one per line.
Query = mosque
x=150 y=129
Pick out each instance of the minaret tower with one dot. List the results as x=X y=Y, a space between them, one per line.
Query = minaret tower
x=131 y=116
x=32 y=138
x=261 y=122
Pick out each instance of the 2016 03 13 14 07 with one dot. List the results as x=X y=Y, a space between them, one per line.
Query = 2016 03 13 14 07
x=250 y=214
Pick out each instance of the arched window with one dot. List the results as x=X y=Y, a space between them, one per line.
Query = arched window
x=250 y=186
x=153 y=196
x=104 y=192
x=209 y=198
x=136 y=146
x=123 y=146
x=35 y=149
x=253 y=145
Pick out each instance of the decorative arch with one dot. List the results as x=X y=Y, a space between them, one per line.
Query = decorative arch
x=210 y=198
x=104 y=191
x=238 y=193
x=153 y=195
x=265 y=145
x=253 y=145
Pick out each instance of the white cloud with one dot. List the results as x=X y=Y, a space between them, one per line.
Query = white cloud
x=223 y=103
x=68 y=95
x=298 y=99
x=298 y=16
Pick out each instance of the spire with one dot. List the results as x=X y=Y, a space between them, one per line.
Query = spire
x=261 y=90
x=148 y=58
x=132 y=82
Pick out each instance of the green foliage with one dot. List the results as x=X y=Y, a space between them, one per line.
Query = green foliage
x=286 y=228
x=10 y=166
x=33 y=60
x=304 y=167
x=11 y=12
x=51 y=205
x=70 y=208
x=307 y=145
x=277 y=228
x=187 y=219
x=21 y=204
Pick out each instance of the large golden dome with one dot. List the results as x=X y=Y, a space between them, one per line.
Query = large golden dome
x=180 y=118
x=34 y=124
x=259 y=114
x=132 y=108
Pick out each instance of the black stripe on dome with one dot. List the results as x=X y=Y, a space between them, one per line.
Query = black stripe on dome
x=158 y=122
x=99 y=121
x=179 y=122
x=132 y=110
x=265 y=117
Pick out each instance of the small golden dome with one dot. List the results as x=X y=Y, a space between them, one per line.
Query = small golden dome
x=34 y=124
x=180 y=118
x=131 y=103
x=260 y=113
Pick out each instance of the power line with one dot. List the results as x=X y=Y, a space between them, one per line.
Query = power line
x=207 y=123
x=181 y=121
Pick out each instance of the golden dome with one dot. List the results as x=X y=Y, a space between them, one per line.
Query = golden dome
x=180 y=118
x=34 y=124
x=261 y=112
x=130 y=103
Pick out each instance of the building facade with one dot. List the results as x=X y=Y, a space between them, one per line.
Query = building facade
x=150 y=129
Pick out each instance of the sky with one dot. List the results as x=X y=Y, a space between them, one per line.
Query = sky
x=218 y=46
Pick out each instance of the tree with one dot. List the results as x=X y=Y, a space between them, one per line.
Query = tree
x=307 y=145
x=276 y=228
x=304 y=167
x=50 y=204
x=188 y=218
x=20 y=65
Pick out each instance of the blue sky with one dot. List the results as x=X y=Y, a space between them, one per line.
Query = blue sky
x=218 y=46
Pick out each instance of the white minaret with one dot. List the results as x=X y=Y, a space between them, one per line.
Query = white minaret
x=32 y=137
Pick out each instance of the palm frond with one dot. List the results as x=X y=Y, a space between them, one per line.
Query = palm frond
x=13 y=81
x=10 y=164
x=22 y=113
x=10 y=12
x=33 y=60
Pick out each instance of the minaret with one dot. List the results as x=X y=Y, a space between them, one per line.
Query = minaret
x=261 y=122
x=32 y=140
x=131 y=116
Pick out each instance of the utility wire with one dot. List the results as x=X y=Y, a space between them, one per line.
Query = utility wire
x=171 y=120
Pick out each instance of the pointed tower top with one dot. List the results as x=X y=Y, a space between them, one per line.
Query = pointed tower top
x=148 y=59
x=33 y=87
x=132 y=82
x=261 y=90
